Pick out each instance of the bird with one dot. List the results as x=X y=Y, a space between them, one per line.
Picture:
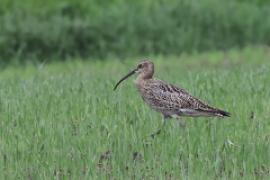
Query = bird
x=170 y=100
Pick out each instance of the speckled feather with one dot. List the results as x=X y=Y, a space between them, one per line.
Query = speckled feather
x=173 y=101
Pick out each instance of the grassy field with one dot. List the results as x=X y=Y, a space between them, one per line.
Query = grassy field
x=64 y=121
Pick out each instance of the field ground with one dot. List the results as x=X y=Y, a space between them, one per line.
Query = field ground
x=64 y=121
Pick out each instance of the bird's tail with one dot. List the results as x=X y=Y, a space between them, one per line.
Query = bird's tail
x=222 y=113
x=213 y=112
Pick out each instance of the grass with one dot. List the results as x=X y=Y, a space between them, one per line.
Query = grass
x=64 y=121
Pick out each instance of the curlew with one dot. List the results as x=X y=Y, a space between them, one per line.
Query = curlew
x=171 y=101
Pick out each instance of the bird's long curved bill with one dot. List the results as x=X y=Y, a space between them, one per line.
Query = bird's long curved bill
x=125 y=77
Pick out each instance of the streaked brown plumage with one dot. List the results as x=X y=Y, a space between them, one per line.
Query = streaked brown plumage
x=168 y=99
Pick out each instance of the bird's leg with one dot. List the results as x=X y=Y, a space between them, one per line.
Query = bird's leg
x=160 y=127
x=181 y=122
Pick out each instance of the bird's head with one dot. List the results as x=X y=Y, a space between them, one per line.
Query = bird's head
x=145 y=70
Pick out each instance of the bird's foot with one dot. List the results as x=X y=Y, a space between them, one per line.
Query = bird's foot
x=181 y=123
x=153 y=135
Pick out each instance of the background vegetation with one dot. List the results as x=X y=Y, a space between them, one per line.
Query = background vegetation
x=64 y=121
x=46 y=30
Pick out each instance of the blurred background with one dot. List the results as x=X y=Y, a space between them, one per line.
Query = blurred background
x=61 y=119
x=36 y=30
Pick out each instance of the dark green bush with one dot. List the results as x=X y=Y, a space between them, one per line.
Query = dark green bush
x=61 y=29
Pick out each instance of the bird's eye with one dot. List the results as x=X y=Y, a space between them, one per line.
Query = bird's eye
x=140 y=66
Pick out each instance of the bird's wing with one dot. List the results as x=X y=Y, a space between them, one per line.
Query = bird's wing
x=163 y=96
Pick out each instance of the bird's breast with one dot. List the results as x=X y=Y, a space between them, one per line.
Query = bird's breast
x=140 y=85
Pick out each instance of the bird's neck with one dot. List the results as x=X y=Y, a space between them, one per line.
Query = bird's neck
x=145 y=76
x=141 y=81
